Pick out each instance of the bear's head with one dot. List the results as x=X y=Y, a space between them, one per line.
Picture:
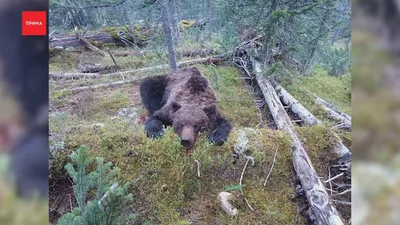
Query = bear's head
x=189 y=120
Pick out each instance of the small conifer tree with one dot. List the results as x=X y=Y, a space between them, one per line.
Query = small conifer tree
x=106 y=206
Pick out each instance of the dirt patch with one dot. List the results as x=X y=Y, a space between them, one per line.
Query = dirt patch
x=61 y=199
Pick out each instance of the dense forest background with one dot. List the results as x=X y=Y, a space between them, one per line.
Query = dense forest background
x=303 y=32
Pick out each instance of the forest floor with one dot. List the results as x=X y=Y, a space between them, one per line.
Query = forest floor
x=165 y=182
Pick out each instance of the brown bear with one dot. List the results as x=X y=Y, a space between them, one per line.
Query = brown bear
x=185 y=100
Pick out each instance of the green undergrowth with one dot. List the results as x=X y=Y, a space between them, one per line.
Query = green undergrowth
x=64 y=61
x=93 y=104
x=333 y=89
x=234 y=100
x=141 y=33
x=318 y=142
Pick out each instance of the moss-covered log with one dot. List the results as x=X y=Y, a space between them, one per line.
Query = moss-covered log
x=116 y=35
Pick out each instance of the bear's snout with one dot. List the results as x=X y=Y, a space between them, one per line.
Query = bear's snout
x=187 y=137
x=185 y=142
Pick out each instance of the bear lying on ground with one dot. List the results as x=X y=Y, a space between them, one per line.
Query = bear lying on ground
x=183 y=99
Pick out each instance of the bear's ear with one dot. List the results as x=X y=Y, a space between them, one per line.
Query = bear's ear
x=210 y=110
x=175 y=106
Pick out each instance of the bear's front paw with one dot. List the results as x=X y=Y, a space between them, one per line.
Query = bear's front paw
x=217 y=136
x=154 y=128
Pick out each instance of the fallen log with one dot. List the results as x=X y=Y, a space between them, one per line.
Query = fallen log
x=334 y=113
x=97 y=86
x=217 y=59
x=306 y=116
x=70 y=40
x=69 y=76
x=179 y=54
x=198 y=52
x=321 y=210
x=125 y=53
x=97 y=68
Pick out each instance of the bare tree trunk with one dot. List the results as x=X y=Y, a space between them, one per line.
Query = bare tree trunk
x=168 y=34
x=208 y=8
x=174 y=20
x=307 y=70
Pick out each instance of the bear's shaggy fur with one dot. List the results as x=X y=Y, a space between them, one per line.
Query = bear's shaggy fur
x=183 y=99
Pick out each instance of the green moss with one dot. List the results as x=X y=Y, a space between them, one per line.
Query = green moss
x=167 y=179
x=64 y=61
x=235 y=101
x=57 y=98
x=186 y=24
x=318 y=142
x=141 y=33
x=333 y=89
x=54 y=52
x=96 y=43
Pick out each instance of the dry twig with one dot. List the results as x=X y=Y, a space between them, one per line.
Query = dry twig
x=240 y=183
x=334 y=178
x=198 y=167
x=270 y=170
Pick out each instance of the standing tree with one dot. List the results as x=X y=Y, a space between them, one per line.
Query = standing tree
x=208 y=10
x=166 y=15
x=174 y=20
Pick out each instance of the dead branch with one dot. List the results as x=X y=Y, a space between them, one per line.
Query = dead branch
x=69 y=76
x=112 y=57
x=96 y=68
x=321 y=210
x=198 y=167
x=343 y=192
x=89 y=46
x=334 y=113
x=97 y=86
x=240 y=183
x=334 y=178
x=342 y=202
x=270 y=170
